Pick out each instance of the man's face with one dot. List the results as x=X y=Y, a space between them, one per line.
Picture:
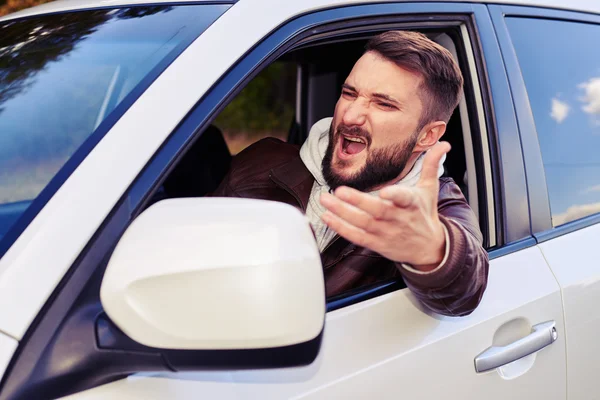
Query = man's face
x=374 y=130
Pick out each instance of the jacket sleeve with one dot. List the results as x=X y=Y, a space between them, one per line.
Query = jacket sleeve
x=456 y=287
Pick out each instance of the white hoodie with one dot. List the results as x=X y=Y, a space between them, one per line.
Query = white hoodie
x=312 y=154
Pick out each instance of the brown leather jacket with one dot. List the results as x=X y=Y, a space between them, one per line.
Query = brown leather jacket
x=272 y=170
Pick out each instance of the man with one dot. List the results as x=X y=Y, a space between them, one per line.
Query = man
x=369 y=181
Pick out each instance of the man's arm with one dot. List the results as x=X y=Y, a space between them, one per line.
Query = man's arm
x=429 y=227
x=457 y=285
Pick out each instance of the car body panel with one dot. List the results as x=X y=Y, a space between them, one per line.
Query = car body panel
x=574 y=261
x=390 y=347
x=569 y=249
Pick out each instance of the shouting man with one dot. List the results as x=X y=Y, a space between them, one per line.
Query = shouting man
x=369 y=179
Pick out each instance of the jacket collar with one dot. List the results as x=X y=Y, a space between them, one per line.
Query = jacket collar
x=296 y=179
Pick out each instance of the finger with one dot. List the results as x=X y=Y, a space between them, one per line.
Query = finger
x=370 y=204
x=431 y=164
x=348 y=231
x=348 y=212
x=400 y=196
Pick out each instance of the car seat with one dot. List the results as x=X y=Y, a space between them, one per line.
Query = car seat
x=455 y=165
x=202 y=168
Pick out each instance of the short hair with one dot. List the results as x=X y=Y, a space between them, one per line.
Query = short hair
x=442 y=80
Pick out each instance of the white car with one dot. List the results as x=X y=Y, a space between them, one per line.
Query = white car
x=119 y=281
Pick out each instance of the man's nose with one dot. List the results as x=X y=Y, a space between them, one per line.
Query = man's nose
x=356 y=113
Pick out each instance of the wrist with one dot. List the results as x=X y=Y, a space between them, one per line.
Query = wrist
x=436 y=253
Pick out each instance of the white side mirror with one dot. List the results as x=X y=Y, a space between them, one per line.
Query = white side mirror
x=216 y=274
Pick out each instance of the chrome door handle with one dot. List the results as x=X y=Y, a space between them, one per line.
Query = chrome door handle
x=542 y=335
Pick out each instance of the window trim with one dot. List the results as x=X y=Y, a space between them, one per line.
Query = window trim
x=539 y=198
x=484 y=135
x=508 y=172
x=379 y=289
x=482 y=117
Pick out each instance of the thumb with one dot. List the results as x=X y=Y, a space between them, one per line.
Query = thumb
x=431 y=163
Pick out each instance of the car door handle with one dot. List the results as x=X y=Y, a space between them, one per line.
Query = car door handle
x=542 y=335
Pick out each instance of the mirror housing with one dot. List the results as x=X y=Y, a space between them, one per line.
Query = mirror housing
x=217 y=274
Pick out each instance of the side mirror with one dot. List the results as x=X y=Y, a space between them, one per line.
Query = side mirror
x=217 y=274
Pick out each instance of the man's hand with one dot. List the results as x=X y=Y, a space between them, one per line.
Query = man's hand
x=402 y=224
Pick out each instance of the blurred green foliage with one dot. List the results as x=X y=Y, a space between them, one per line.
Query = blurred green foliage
x=266 y=104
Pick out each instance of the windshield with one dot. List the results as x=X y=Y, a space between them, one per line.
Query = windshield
x=65 y=76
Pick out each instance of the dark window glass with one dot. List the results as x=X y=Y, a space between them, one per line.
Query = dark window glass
x=62 y=75
x=561 y=69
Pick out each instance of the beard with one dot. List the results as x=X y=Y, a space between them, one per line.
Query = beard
x=381 y=166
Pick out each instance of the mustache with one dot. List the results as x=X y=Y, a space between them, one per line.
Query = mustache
x=353 y=131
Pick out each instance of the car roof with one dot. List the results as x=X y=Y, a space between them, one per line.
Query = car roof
x=590 y=6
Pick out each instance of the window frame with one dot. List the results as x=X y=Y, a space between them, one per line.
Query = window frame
x=509 y=189
x=512 y=229
x=142 y=190
x=539 y=198
x=162 y=163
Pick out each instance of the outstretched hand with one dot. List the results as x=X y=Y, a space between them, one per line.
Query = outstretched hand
x=402 y=224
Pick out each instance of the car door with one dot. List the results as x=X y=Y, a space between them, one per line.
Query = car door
x=384 y=344
x=555 y=78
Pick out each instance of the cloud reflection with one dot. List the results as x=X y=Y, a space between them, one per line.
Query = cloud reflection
x=591 y=99
x=560 y=110
x=575 y=212
x=592 y=189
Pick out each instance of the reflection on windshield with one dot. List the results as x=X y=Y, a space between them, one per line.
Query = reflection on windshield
x=27 y=46
x=562 y=76
x=591 y=98
x=41 y=63
x=62 y=75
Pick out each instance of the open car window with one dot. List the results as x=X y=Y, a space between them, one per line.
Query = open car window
x=285 y=99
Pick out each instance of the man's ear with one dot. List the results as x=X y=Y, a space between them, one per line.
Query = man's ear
x=430 y=134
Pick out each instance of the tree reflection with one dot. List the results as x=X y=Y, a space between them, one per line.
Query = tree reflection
x=28 y=45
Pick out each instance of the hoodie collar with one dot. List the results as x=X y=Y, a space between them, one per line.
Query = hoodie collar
x=314 y=148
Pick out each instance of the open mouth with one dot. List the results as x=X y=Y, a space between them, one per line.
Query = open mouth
x=352 y=145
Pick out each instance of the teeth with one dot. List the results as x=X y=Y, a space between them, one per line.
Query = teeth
x=352 y=139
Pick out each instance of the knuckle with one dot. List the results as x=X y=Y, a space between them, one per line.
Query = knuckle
x=382 y=212
x=387 y=212
x=370 y=224
x=405 y=202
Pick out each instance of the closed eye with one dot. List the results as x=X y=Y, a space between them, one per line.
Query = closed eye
x=348 y=93
x=387 y=105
